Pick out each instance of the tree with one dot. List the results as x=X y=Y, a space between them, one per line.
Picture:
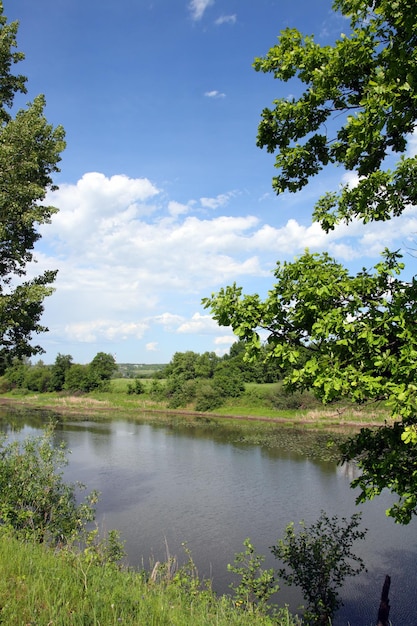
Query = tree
x=318 y=559
x=103 y=366
x=344 y=335
x=29 y=153
x=79 y=378
x=59 y=369
x=362 y=92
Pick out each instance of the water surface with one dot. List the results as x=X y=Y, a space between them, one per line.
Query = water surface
x=161 y=487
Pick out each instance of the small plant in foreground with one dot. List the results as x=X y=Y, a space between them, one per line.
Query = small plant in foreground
x=256 y=585
x=318 y=559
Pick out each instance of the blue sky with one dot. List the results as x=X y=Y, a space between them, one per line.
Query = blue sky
x=163 y=195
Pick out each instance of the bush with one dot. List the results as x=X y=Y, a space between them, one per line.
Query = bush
x=137 y=387
x=38 y=378
x=180 y=392
x=208 y=397
x=80 y=378
x=256 y=585
x=318 y=559
x=34 y=500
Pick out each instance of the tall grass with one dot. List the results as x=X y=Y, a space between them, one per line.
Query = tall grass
x=45 y=587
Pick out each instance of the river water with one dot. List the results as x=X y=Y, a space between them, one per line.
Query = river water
x=161 y=487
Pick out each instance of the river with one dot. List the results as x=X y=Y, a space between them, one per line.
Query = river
x=161 y=487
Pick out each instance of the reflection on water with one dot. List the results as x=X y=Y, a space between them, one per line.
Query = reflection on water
x=162 y=486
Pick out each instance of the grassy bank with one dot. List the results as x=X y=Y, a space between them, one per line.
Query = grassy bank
x=263 y=403
x=309 y=429
x=43 y=587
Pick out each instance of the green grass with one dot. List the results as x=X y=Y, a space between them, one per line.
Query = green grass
x=42 y=587
x=259 y=402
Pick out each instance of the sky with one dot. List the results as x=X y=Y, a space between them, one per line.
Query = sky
x=163 y=195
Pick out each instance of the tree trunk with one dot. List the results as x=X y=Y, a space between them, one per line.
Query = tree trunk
x=383 y=613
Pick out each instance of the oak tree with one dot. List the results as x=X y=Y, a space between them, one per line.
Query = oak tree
x=29 y=153
x=343 y=335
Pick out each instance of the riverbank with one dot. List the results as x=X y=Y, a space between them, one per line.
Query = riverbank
x=39 y=585
x=104 y=404
x=310 y=432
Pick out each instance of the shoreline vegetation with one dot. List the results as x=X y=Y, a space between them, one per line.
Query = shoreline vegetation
x=95 y=591
x=315 y=432
x=100 y=404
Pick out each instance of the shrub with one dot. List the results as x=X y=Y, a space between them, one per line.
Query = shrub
x=80 y=378
x=136 y=387
x=256 y=585
x=318 y=559
x=35 y=502
x=180 y=392
x=208 y=397
x=38 y=378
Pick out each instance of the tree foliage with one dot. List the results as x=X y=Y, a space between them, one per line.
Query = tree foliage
x=357 y=108
x=343 y=335
x=318 y=558
x=29 y=153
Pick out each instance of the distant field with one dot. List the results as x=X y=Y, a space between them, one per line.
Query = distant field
x=138 y=370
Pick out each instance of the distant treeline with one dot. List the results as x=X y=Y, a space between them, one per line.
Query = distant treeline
x=64 y=374
x=199 y=381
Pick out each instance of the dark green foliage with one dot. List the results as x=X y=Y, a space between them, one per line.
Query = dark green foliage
x=386 y=460
x=357 y=107
x=260 y=370
x=103 y=366
x=136 y=387
x=38 y=378
x=346 y=336
x=180 y=391
x=318 y=559
x=228 y=380
x=190 y=365
x=80 y=378
x=208 y=396
x=16 y=373
x=157 y=390
x=59 y=370
x=29 y=153
x=35 y=502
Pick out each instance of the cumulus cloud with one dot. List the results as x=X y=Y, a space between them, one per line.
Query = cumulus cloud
x=177 y=208
x=226 y=19
x=198 y=8
x=134 y=264
x=219 y=201
x=199 y=324
x=92 y=331
x=214 y=94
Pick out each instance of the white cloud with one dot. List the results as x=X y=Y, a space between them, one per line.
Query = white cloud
x=152 y=346
x=351 y=179
x=219 y=201
x=225 y=340
x=226 y=19
x=199 y=324
x=176 y=208
x=214 y=94
x=168 y=320
x=95 y=330
x=133 y=264
x=198 y=8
